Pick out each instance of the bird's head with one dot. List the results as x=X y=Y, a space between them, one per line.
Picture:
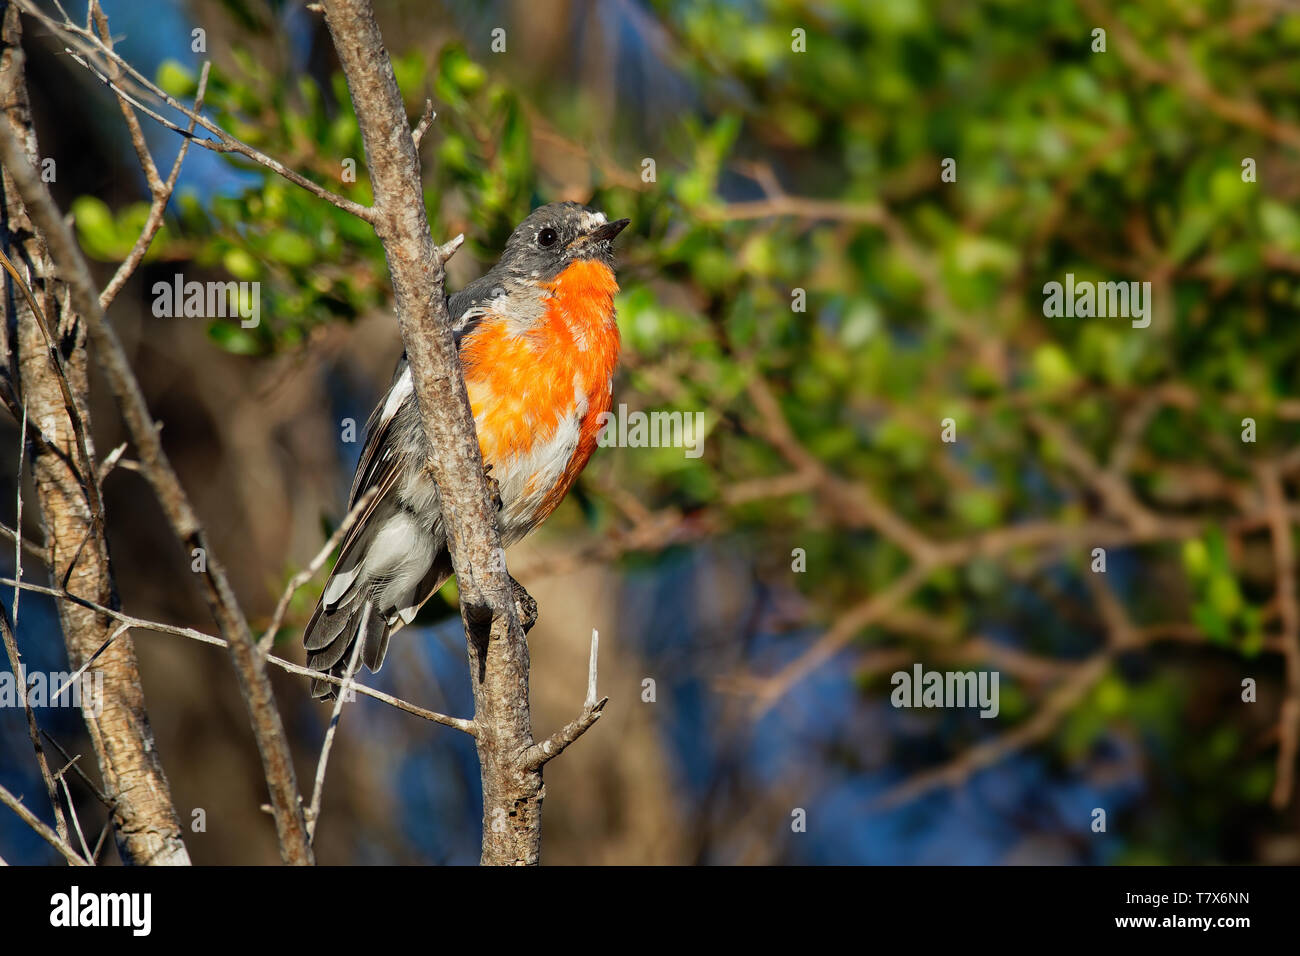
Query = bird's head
x=555 y=236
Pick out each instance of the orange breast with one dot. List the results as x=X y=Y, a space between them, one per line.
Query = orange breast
x=521 y=386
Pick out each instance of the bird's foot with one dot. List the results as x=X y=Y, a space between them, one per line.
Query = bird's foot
x=494 y=487
x=525 y=606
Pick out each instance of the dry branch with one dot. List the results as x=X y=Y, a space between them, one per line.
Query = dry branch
x=48 y=835
x=54 y=386
x=91 y=52
x=497 y=648
x=20 y=677
x=128 y=621
x=536 y=756
x=249 y=665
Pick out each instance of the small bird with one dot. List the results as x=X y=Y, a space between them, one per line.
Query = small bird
x=539 y=343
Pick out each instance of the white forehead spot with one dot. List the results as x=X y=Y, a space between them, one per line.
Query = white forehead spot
x=590 y=220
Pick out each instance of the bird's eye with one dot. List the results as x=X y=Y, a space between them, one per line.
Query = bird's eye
x=547 y=237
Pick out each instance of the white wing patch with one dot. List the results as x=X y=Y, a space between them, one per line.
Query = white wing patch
x=399 y=393
x=397 y=561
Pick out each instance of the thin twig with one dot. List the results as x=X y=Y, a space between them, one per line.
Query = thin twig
x=111 y=461
x=457 y=723
x=93 y=657
x=590 y=702
x=313 y=814
x=844 y=629
x=1109 y=485
x=99 y=794
x=18 y=517
x=96 y=13
x=88 y=45
x=161 y=193
x=306 y=574
x=851 y=502
x=538 y=754
x=254 y=685
x=31 y=547
x=800 y=208
x=72 y=810
x=46 y=834
x=20 y=678
x=103 y=838
x=1184 y=76
x=417 y=136
x=990 y=752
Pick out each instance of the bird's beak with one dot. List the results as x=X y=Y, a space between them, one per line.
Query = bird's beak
x=608 y=231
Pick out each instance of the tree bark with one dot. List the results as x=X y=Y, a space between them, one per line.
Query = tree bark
x=146 y=825
x=497 y=647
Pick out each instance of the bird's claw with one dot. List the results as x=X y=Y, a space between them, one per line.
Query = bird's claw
x=493 y=486
x=525 y=606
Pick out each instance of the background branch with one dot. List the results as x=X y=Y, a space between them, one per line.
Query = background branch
x=88 y=47
x=48 y=354
x=254 y=686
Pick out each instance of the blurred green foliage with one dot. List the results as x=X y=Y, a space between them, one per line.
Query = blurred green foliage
x=924 y=297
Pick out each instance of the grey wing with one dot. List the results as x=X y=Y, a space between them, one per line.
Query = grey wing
x=381 y=578
x=376 y=460
x=350 y=607
x=346 y=611
x=468 y=306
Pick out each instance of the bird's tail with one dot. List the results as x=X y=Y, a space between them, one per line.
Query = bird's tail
x=386 y=570
x=332 y=635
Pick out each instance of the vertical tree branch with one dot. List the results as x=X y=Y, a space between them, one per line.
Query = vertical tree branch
x=145 y=822
x=497 y=648
x=250 y=667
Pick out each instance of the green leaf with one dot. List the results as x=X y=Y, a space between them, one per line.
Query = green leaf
x=289 y=248
x=176 y=79
x=96 y=229
x=235 y=339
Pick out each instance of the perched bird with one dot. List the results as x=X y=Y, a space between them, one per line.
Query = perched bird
x=539 y=343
